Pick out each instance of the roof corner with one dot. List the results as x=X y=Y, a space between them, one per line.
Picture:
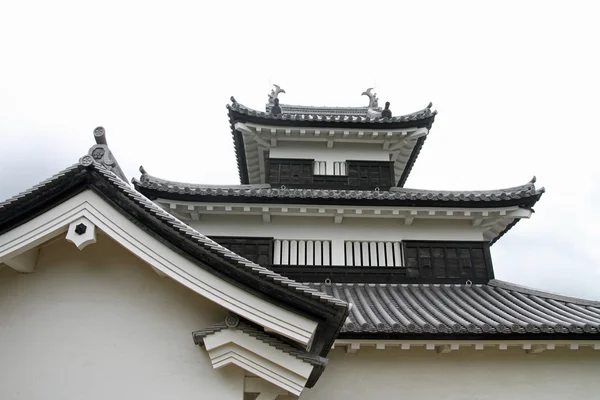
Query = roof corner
x=101 y=153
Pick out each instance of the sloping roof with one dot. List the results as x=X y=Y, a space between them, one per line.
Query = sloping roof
x=525 y=195
x=498 y=308
x=421 y=118
x=264 y=337
x=215 y=258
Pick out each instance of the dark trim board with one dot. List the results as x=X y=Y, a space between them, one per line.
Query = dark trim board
x=411 y=161
x=285 y=198
x=567 y=337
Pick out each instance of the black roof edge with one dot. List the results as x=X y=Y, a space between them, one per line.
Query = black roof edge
x=468 y=337
x=156 y=194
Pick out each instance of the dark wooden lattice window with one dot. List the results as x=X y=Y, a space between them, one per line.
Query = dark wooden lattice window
x=290 y=171
x=255 y=249
x=369 y=175
x=451 y=261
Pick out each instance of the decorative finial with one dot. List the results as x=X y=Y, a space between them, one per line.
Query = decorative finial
x=100 y=135
x=386 y=113
x=233 y=100
x=533 y=180
x=101 y=154
x=373 y=100
x=143 y=170
x=276 y=109
x=274 y=93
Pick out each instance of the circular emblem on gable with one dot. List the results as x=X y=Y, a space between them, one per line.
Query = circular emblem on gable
x=98 y=153
x=86 y=160
x=232 y=321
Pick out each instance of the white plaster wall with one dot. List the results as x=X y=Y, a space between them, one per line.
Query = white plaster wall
x=323 y=228
x=488 y=374
x=340 y=152
x=101 y=324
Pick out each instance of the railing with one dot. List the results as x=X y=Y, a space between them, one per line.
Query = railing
x=373 y=254
x=301 y=252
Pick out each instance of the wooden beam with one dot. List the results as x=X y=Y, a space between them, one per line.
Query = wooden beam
x=352 y=348
x=24 y=262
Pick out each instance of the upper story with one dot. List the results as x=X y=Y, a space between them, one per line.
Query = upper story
x=353 y=148
x=323 y=197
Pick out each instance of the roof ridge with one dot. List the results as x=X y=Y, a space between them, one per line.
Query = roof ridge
x=526 y=190
x=416 y=115
x=147 y=177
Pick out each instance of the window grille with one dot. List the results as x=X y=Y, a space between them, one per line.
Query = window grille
x=450 y=260
x=301 y=252
x=373 y=254
x=320 y=168
x=339 y=168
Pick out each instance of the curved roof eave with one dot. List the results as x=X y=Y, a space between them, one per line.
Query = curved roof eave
x=222 y=262
x=524 y=195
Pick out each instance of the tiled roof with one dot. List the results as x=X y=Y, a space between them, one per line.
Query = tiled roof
x=264 y=337
x=47 y=188
x=318 y=116
x=498 y=308
x=522 y=195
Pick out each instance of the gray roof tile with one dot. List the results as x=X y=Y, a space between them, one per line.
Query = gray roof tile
x=496 y=308
x=477 y=198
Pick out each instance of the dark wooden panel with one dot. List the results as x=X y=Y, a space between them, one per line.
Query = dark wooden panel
x=290 y=171
x=460 y=261
x=255 y=249
x=368 y=175
x=361 y=175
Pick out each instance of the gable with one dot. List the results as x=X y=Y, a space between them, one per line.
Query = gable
x=99 y=323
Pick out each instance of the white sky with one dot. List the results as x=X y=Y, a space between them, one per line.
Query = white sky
x=516 y=86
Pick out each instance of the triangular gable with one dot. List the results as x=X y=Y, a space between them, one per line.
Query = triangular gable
x=89 y=196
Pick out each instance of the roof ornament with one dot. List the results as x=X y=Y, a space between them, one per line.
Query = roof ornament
x=274 y=93
x=275 y=108
x=386 y=113
x=373 y=100
x=102 y=154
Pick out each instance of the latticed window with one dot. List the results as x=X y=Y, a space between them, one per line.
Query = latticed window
x=373 y=254
x=301 y=252
x=446 y=260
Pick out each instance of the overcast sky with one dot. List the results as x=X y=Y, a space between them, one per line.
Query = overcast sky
x=516 y=86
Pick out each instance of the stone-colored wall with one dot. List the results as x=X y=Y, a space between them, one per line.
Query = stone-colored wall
x=101 y=324
x=488 y=374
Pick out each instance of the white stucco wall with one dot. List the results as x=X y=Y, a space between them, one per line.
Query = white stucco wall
x=339 y=152
x=323 y=228
x=488 y=374
x=101 y=324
